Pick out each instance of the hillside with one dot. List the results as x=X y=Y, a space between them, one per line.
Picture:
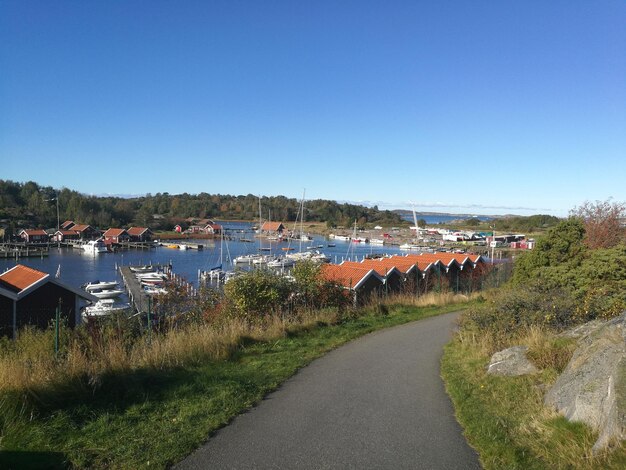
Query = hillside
x=31 y=205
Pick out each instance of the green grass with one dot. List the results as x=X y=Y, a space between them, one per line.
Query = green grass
x=505 y=421
x=154 y=418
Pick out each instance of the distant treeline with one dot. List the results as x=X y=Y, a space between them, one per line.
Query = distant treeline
x=527 y=224
x=30 y=205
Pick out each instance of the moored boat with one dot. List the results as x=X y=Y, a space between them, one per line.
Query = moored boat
x=99 y=285
x=281 y=263
x=142 y=269
x=245 y=259
x=95 y=247
x=104 y=307
x=106 y=293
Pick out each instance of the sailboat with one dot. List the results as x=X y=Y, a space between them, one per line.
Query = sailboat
x=412 y=246
x=301 y=237
x=216 y=273
x=253 y=258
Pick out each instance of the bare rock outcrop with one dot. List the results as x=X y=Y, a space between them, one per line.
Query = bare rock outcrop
x=511 y=362
x=592 y=388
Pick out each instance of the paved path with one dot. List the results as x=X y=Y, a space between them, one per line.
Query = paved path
x=375 y=403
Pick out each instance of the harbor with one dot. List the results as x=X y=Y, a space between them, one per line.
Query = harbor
x=190 y=258
x=78 y=267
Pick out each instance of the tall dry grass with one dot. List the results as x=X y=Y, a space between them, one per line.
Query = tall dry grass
x=432 y=299
x=30 y=362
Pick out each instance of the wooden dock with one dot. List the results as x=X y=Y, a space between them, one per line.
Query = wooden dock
x=137 y=296
x=23 y=250
x=134 y=246
x=188 y=245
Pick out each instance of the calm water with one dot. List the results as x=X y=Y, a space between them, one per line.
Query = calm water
x=78 y=267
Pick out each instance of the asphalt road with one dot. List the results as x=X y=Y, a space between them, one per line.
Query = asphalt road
x=375 y=403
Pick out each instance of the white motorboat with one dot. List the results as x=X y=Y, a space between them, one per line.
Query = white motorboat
x=245 y=259
x=263 y=259
x=308 y=255
x=107 y=293
x=104 y=307
x=320 y=257
x=142 y=269
x=95 y=285
x=151 y=277
x=153 y=290
x=95 y=247
x=281 y=263
x=411 y=247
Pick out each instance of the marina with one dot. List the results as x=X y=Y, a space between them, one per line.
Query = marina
x=78 y=267
x=137 y=295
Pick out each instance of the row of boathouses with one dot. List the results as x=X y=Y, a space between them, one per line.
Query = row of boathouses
x=414 y=274
x=31 y=297
x=71 y=231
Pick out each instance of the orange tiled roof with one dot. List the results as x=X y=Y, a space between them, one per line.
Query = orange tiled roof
x=21 y=277
x=459 y=257
x=400 y=262
x=422 y=264
x=378 y=267
x=39 y=231
x=476 y=258
x=433 y=258
x=136 y=231
x=114 y=232
x=80 y=227
x=346 y=276
x=272 y=226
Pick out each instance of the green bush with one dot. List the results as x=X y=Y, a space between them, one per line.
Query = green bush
x=558 y=284
x=513 y=308
x=257 y=293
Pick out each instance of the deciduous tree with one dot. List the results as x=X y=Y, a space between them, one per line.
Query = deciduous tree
x=602 y=222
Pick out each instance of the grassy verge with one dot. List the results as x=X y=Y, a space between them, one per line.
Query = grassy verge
x=504 y=418
x=153 y=416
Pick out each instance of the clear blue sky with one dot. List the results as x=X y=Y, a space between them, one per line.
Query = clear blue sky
x=476 y=106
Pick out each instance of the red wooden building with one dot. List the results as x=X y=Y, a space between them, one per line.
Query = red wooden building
x=34 y=236
x=31 y=297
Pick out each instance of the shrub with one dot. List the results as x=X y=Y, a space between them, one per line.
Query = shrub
x=257 y=293
x=514 y=308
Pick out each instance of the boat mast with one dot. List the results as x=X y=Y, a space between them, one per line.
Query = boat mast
x=302 y=220
x=415 y=222
x=260 y=225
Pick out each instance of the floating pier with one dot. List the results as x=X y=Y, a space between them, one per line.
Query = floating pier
x=185 y=245
x=138 y=297
x=19 y=250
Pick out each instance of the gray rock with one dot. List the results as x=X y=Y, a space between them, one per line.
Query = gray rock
x=579 y=331
x=511 y=362
x=592 y=388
